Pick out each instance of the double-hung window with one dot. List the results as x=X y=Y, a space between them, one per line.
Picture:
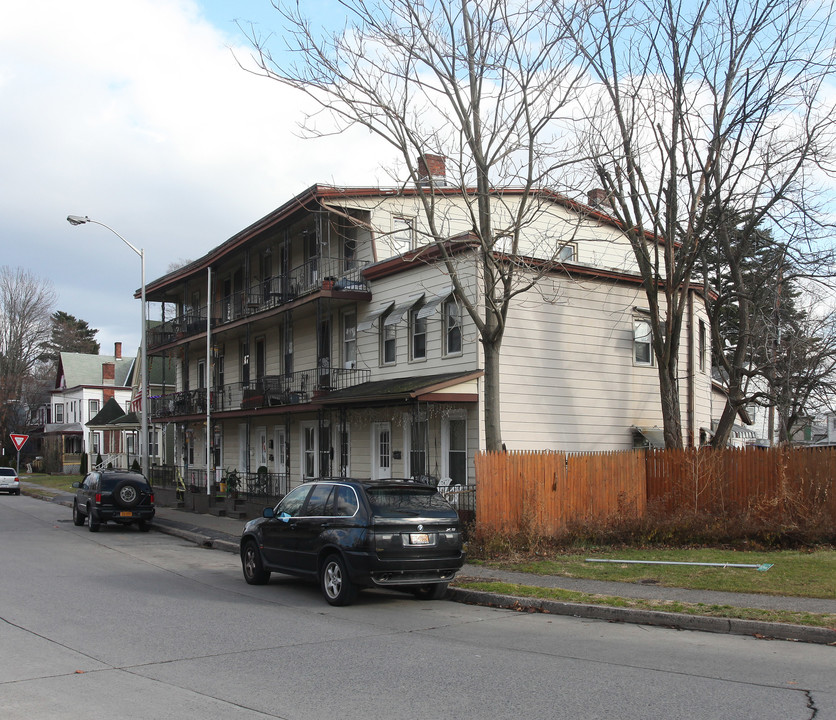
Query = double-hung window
x=350 y=340
x=417 y=336
x=452 y=327
x=402 y=235
x=642 y=348
x=388 y=343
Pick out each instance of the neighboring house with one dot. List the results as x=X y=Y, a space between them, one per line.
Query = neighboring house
x=751 y=426
x=84 y=383
x=324 y=340
x=829 y=435
x=94 y=407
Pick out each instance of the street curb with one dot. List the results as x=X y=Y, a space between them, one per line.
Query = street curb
x=201 y=539
x=679 y=621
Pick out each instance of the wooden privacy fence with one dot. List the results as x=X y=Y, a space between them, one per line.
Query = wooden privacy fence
x=543 y=492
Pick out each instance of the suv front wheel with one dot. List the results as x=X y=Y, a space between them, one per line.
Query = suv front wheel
x=254 y=572
x=78 y=518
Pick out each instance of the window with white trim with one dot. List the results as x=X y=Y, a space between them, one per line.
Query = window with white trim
x=417 y=335
x=59 y=412
x=567 y=252
x=403 y=235
x=452 y=318
x=642 y=336
x=350 y=339
x=388 y=344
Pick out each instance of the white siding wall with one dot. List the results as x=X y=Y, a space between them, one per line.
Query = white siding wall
x=568 y=377
x=549 y=226
x=430 y=281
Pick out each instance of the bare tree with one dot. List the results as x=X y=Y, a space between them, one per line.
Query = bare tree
x=705 y=112
x=802 y=371
x=25 y=310
x=480 y=83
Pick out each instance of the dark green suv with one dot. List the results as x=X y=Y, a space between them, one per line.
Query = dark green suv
x=116 y=496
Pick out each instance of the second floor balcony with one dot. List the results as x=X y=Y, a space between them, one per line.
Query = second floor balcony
x=266 y=392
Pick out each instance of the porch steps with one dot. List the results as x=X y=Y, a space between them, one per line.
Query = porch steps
x=220 y=508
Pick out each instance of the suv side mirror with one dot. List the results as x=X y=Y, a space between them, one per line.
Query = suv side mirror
x=268 y=512
x=76 y=485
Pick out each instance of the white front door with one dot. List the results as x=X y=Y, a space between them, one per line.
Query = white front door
x=279 y=451
x=381 y=451
x=309 y=447
x=261 y=450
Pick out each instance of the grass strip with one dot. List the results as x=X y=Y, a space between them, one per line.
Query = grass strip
x=799 y=573
x=720 y=611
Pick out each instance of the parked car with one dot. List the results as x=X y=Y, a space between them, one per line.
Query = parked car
x=9 y=481
x=116 y=496
x=350 y=534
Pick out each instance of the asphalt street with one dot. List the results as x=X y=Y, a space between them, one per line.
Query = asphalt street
x=151 y=625
x=223 y=533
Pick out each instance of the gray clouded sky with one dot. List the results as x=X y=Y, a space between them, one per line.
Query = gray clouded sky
x=135 y=113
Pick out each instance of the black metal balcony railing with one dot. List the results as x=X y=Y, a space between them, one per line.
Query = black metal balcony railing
x=316 y=274
x=185 y=402
x=268 y=391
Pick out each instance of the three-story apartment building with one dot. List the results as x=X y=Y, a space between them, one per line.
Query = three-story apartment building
x=325 y=340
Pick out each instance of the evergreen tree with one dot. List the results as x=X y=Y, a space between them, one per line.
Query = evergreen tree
x=69 y=334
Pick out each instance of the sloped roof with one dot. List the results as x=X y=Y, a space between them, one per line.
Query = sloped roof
x=159 y=368
x=85 y=369
x=405 y=389
x=130 y=419
x=110 y=411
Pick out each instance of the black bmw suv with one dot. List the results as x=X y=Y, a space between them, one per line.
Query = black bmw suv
x=116 y=496
x=350 y=534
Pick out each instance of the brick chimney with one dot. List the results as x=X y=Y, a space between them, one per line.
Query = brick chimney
x=117 y=350
x=432 y=169
x=597 y=197
x=108 y=373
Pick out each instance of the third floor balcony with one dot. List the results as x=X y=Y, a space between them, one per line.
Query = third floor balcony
x=319 y=274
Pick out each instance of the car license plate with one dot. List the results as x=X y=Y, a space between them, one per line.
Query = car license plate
x=126 y=514
x=419 y=539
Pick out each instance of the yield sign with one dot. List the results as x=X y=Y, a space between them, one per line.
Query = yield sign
x=19 y=440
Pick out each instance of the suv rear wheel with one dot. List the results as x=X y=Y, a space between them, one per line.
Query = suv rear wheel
x=336 y=585
x=78 y=518
x=93 y=524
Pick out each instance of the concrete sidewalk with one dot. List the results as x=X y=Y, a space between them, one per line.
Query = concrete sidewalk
x=224 y=533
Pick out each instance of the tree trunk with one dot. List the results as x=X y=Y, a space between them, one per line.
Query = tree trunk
x=493 y=431
x=671 y=416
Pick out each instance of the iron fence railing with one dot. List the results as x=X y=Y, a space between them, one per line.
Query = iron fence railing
x=320 y=273
x=192 y=322
x=269 y=391
x=185 y=402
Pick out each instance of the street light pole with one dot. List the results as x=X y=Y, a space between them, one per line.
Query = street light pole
x=79 y=220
